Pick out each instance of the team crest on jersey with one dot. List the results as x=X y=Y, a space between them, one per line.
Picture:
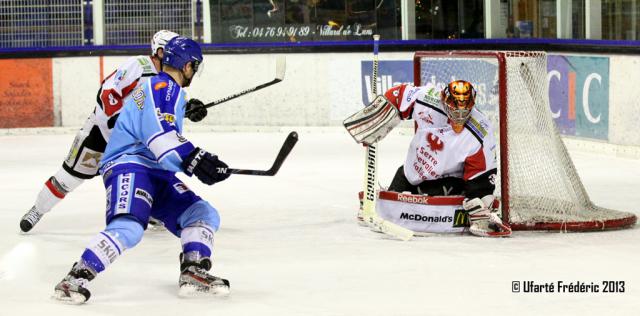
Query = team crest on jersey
x=138 y=97
x=435 y=143
x=159 y=85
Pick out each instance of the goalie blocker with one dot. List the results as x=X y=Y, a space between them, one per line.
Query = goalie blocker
x=424 y=214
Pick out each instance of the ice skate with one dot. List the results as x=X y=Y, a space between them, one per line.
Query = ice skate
x=196 y=281
x=72 y=289
x=30 y=219
x=156 y=225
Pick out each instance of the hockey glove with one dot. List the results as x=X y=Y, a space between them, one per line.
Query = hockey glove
x=485 y=221
x=196 y=110
x=205 y=166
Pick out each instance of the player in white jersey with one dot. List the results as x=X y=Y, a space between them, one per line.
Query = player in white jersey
x=88 y=147
x=453 y=151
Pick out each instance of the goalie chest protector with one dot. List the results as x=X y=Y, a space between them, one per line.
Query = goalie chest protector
x=421 y=213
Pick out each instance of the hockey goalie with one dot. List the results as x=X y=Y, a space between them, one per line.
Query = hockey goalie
x=448 y=179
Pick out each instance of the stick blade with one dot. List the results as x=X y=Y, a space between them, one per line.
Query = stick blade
x=286 y=148
x=281 y=67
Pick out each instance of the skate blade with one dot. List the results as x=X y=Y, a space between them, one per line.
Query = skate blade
x=189 y=291
x=73 y=299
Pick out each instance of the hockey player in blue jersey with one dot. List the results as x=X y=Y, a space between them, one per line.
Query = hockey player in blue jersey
x=138 y=168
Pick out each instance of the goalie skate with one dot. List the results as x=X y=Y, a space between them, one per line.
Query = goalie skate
x=195 y=280
x=71 y=289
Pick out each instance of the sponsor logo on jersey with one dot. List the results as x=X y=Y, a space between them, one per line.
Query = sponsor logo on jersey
x=124 y=186
x=410 y=94
x=428 y=119
x=479 y=128
x=120 y=75
x=167 y=117
x=430 y=99
x=181 y=187
x=73 y=152
x=169 y=91
x=90 y=158
x=460 y=218
x=435 y=143
x=144 y=195
x=181 y=138
x=412 y=199
x=159 y=85
x=423 y=218
x=138 y=97
x=109 y=197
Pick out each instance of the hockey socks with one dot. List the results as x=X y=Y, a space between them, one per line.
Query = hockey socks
x=53 y=191
x=198 y=237
x=103 y=250
x=195 y=262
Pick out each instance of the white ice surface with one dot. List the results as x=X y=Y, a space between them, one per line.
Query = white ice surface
x=290 y=246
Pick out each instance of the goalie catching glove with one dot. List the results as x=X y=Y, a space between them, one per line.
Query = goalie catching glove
x=485 y=221
x=374 y=122
x=205 y=166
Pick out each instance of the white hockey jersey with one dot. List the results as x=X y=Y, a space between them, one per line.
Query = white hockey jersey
x=436 y=151
x=116 y=87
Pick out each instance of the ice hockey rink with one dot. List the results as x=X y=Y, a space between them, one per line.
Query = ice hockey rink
x=289 y=244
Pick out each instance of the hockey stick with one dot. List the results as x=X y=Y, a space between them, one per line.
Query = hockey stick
x=286 y=148
x=369 y=214
x=371 y=163
x=281 y=65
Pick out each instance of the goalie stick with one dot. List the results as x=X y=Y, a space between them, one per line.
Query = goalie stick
x=369 y=214
x=281 y=65
x=286 y=148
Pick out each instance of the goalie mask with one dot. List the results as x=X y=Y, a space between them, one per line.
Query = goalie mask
x=458 y=98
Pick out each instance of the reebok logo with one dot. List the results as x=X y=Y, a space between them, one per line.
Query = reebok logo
x=413 y=199
x=422 y=218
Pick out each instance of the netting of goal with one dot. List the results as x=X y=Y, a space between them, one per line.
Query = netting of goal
x=538 y=184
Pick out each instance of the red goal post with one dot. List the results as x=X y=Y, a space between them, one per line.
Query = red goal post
x=538 y=184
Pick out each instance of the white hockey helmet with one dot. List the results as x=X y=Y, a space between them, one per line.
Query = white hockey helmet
x=160 y=39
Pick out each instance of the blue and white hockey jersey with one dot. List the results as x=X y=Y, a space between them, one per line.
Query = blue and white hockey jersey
x=148 y=131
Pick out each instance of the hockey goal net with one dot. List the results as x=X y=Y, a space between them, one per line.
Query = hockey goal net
x=538 y=184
